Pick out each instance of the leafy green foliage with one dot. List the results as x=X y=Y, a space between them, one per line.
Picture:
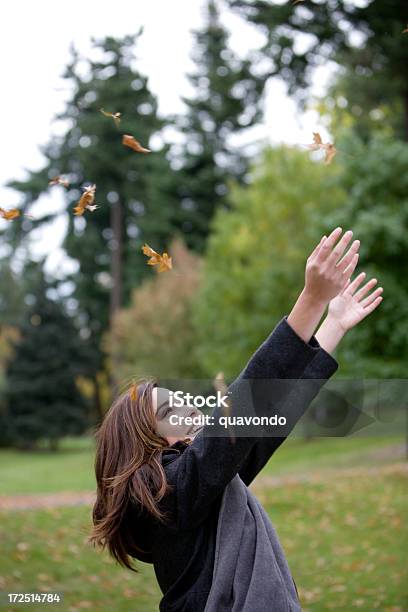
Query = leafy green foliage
x=365 y=39
x=154 y=336
x=131 y=188
x=254 y=266
x=227 y=101
x=375 y=179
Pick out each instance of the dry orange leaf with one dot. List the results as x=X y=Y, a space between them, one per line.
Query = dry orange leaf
x=331 y=151
x=297 y=1
x=221 y=386
x=58 y=180
x=329 y=148
x=133 y=392
x=132 y=143
x=406 y=30
x=163 y=262
x=115 y=116
x=9 y=215
x=86 y=201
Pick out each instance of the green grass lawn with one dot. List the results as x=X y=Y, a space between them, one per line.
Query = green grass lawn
x=345 y=534
x=71 y=468
x=346 y=540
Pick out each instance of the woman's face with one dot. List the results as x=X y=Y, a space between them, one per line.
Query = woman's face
x=171 y=419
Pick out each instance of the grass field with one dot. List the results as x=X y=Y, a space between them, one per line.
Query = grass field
x=345 y=532
x=71 y=468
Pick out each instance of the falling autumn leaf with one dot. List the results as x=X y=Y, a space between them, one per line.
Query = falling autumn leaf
x=330 y=151
x=115 y=116
x=58 y=180
x=163 y=262
x=86 y=201
x=132 y=143
x=318 y=144
x=221 y=386
x=297 y=1
x=11 y=214
x=406 y=30
x=133 y=392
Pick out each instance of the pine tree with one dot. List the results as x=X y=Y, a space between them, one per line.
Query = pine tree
x=227 y=101
x=132 y=190
x=43 y=400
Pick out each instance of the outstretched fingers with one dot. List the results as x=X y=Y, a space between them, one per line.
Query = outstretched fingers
x=328 y=244
x=371 y=298
x=340 y=247
x=369 y=309
x=364 y=290
x=348 y=272
x=316 y=250
x=345 y=261
x=352 y=286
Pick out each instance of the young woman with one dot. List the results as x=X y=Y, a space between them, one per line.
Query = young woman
x=177 y=495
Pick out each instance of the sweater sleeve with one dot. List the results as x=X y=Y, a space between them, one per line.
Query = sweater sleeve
x=321 y=368
x=199 y=475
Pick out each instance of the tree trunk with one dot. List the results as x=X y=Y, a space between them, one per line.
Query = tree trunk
x=406 y=115
x=116 y=275
x=116 y=259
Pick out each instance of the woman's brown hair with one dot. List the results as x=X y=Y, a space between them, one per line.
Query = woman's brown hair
x=128 y=470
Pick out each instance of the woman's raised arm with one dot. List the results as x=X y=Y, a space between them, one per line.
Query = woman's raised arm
x=200 y=474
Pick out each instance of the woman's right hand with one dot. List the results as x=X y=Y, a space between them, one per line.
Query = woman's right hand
x=329 y=268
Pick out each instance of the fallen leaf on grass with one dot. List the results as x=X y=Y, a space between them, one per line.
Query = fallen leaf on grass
x=163 y=262
x=132 y=143
x=114 y=116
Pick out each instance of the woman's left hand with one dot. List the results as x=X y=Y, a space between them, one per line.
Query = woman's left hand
x=352 y=305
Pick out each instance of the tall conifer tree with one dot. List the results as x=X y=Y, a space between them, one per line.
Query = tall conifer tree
x=43 y=400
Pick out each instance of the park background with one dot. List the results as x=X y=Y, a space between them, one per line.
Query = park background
x=235 y=196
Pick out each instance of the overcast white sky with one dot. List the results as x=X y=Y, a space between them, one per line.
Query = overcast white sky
x=34 y=49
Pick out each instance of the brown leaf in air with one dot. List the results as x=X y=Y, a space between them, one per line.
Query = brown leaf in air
x=329 y=148
x=221 y=386
x=406 y=30
x=114 y=116
x=133 y=392
x=330 y=151
x=317 y=142
x=132 y=143
x=163 y=262
x=86 y=201
x=58 y=180
x=9 y=215
x=297 y=1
